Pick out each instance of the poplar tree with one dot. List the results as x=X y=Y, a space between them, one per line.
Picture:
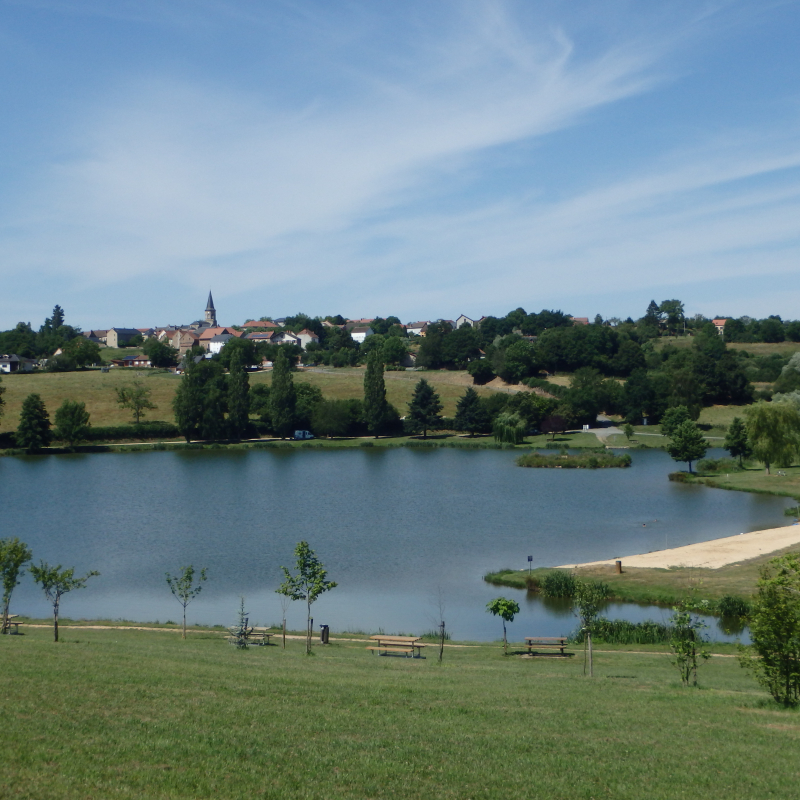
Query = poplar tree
x=238 y=396
x=33 y=432
x=282 y=397
x=2 y=402
x=375 y=405
x=188 y=402
x=423 y=410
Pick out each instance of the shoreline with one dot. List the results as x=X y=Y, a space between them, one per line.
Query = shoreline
x=712 y=554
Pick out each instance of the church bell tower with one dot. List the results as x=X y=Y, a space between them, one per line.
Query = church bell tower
x=211 y=313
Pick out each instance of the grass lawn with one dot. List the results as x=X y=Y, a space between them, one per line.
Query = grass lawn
x=659 y=586
x=125 y=713
x=765 y=348
x=755 y=479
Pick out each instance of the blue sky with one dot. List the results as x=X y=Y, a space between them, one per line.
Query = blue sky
x=422 y=159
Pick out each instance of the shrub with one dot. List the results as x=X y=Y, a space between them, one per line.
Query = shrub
x=732 y=606
x=620 y=631
x=558 y=583
x=718 y=465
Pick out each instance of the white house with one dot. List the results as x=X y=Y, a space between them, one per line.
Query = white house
x=306 y=337
x=462 y=320
x=216 y=343
x=15 y=363
x=416 y=328
x=359 y=334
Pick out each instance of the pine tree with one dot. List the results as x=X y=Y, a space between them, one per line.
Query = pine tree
x=282 y=397
x=423 y=410
x=33 y=432
x=375 y=405
x=736 y=441
x=470 y=413
x=238 y=397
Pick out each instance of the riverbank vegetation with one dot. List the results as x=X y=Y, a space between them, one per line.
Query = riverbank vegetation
x=665 y=587
x=149 y=714
x=590 y=460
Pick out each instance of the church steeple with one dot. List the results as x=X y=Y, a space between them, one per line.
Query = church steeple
x=211 y=313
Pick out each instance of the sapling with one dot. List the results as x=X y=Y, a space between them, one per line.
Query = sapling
x=589 y=598
x=13 y=555
x=56 y=583
x=686 y=642
x=308 y=584
x=506 y=610
x=183 y=588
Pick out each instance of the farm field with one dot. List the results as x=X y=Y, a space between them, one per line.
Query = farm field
x=132 y=713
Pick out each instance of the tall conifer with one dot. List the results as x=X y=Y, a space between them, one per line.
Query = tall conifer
x=282 y=397
x=238 y=396
x=423 y=410
x=375 y=405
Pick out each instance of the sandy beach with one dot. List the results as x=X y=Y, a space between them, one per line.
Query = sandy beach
x=710 y=555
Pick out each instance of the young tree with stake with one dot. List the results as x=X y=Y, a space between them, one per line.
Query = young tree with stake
x=56 y=583
x=589 y=598
x=13 y=555
x=506 y=610
x=184 y=589
x=308 y=584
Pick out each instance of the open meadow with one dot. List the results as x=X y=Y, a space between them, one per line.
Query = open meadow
x=137 y=713
x=97 y=390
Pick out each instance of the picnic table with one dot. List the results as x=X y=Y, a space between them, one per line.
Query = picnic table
x=9 y=622
x=255 y=635
x=536 y=643
x=396 y=645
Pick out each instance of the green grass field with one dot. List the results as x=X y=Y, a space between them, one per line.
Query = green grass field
x=97 y=390
x=755 y=479
x=126 y=713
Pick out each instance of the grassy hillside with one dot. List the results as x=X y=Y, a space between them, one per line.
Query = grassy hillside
x=126 y=713
x=96 y=389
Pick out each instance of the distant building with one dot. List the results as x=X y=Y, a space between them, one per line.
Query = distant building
x=360 y=334
x=580 y=320
x=306 y=337
x=259 y=323
x=15 y=363
x=462 y=321
x=719 y=324
x=417 y=328
x=211 y=313
x=119 y=337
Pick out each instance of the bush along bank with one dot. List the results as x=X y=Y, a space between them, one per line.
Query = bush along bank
x=560 y=583
x=590 y=460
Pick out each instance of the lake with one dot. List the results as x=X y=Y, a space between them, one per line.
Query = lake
x=396 y=528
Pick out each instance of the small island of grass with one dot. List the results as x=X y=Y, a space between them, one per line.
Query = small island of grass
x=590 y=460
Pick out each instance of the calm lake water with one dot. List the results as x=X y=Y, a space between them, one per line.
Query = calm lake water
x=396 y=528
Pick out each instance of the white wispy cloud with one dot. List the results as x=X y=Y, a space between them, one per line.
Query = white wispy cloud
x=200 y=177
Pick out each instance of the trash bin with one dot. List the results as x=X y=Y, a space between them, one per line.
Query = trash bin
x=323 y=634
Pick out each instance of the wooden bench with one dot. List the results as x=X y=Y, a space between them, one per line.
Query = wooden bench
x=536 y=643
x=10 y=621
